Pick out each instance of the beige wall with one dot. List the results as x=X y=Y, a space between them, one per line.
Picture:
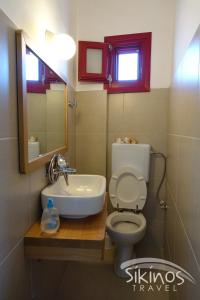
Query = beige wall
x=141 y=115
x=19 y=194
x=144 y=117
x=35 y=17
x=55 y=119
x=100 y=118
x=46 y=119
x=186 y=22
x=183 y=188
x=37 y=118
x=71 y=128
x=123 y=17
x=97 y=117
x=91 y=129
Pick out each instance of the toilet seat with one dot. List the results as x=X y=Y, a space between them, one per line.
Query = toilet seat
x=126 y=233
x=127 y=189
x=123 y=217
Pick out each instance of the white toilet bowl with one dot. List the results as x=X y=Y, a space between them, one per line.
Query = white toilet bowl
x=125 y=229
x=128 y=193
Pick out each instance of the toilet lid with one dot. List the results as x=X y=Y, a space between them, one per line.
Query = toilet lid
x=128 y=189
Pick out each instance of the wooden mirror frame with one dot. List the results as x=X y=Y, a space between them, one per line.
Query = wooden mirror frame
x=25 y=165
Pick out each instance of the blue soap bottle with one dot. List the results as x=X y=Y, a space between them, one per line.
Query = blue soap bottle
x=50 y=221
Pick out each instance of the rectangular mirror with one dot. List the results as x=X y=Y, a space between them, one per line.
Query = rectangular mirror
x=42 y=108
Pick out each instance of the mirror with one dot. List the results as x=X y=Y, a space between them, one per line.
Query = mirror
x=42 y=108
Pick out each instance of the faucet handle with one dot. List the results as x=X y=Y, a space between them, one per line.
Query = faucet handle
x=70 y=170
x=61 y=162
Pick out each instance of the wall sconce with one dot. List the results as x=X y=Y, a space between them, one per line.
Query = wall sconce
x=62 y=45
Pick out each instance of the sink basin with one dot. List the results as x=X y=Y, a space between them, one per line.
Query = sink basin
x=84 y=196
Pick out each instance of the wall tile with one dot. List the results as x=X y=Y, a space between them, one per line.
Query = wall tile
x=146 y=112
x=14 y=188
x=8 y=89
x=116 y=113
x=15 y=276
x=181 y=252
x=152 y=209
x=91 y=112
x=189 y=190
x=55 y=140
x=182 y=222
x=174 y=105
x=170 y=228
x=91 y=124
x=37 y=117
x=187 y=261
x=173 y=163
x=71 y=130
x=37 y=182
x=55 y=112
x=91 y=153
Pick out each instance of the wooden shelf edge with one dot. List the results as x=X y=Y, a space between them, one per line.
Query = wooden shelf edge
x=88 y=246
x=64 y=254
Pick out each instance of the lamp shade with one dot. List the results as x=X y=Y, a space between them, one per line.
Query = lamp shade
x=63 y=46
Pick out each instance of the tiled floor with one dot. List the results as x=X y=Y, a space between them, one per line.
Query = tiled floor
x=75 y=281
x=90 y=281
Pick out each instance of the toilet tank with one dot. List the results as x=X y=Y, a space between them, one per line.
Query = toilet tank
x=136 y=156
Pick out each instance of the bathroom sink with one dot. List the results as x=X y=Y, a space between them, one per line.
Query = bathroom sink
x=84 y=196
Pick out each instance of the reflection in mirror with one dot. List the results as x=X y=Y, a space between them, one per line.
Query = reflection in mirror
x=42 y=108
x=46 y=107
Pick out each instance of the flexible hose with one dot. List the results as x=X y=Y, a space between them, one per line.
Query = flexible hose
x=163 y=203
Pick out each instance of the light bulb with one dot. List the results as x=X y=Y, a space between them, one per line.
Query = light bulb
x=63 y=46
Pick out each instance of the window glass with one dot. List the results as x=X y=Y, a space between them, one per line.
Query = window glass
x=94 y=61
x=32 y=67
x=128 y=66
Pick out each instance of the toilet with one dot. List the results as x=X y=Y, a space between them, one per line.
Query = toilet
x=126 y=226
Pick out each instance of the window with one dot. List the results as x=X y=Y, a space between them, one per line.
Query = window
x=32 y=67
x=124 y=65
x=34 y=74
x=38 y=75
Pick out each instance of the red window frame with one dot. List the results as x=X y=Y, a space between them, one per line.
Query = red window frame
x=129 y=43
x=50 y=76
x=37 y=86
x=111 y=48
x=83 y=75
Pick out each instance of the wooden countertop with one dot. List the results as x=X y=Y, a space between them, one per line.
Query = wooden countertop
x=77 y=239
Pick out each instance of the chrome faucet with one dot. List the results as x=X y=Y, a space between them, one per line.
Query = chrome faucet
x=58 y=167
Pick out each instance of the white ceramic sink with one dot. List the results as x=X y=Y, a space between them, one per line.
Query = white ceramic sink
x=83 y=196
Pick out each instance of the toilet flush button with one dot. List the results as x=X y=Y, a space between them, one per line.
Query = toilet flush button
x=140 y=178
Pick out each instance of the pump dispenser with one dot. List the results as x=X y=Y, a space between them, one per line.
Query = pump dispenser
x=50 y=221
